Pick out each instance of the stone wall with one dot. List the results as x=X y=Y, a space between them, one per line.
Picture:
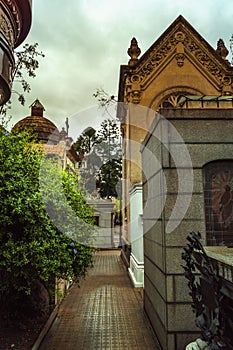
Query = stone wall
x=205 y=136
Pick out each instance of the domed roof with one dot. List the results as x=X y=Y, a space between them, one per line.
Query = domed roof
x=42 y=127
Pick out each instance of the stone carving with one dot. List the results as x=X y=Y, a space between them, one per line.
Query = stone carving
x=180 y=59
x=156 y=57
x=133 y=88
x=135 y=78
x=178 y=44
x=206 y=61
x=6 y=28
x=135 y=96
x=221 y=49
x=182 y=42
x=179 y=36
x=213 y=316
x=11 y=4
x=180 y=56
x=133 y=51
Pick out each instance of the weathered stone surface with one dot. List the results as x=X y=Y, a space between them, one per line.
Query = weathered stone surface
x=179 y=316
x=157 y=277
x=191 y=206
x=172 y=178
x=178 y=236
x=197 y=131
x=203 y=153
x=156 y=253
x=177 y=289
x=155 y=319
x=153 y=230
x=156 y=300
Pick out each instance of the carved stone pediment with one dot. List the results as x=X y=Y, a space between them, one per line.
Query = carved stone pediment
x=182 y=44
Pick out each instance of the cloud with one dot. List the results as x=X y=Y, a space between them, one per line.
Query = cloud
x=86 y=41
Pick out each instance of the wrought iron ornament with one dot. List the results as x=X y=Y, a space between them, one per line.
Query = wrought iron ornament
x=212 y=307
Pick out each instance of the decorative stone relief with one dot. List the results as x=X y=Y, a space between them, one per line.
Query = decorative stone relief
x=180 y=59
x=182 y=43
x=157 y=56
x=206 y=61
x=133 y=89
x=226 y=86
x=6 y=28
x=179 y=36
x=180 y=56
x=221 y=49
x=11 y=4
x=135 y=96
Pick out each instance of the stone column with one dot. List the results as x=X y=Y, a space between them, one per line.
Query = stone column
x=136 y=269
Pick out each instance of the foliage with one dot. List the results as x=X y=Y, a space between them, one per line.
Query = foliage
x=108 y=179
x=102 y=152
x=32 y=247
x=64 y=202
x=103 y=98
x=85 y=142
x=109 y=141
x=26 y=64
x=84 y=146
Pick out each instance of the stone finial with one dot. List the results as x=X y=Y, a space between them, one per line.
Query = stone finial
x=37 y=109
x=221 y=49
x=133 y=51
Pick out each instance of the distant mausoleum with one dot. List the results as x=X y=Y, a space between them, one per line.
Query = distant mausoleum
x=46 y=133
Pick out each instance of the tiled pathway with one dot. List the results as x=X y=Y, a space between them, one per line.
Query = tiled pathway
x=106 y=313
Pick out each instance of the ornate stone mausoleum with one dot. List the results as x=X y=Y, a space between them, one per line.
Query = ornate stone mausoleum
x=176 y=113
x=55 y=142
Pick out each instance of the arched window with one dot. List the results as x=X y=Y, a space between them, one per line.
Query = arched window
x=218 y=197
x=171 y=101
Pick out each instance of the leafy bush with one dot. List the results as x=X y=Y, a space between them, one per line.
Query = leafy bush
x=33 y=248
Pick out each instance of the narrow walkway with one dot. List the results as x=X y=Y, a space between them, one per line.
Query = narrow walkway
x=106 y=313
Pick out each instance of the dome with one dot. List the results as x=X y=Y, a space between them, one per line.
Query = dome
x=44 y=130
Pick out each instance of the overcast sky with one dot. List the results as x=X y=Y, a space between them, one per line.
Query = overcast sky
x=86 y=41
